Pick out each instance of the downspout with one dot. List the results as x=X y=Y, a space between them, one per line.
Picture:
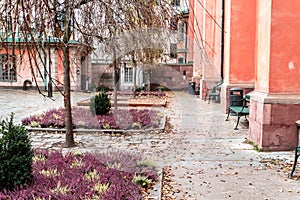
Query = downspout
x=50 y=93
x=222 y=39
x=185 y=43
x=45 y=67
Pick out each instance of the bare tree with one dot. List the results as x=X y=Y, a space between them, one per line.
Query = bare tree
x=27 y=25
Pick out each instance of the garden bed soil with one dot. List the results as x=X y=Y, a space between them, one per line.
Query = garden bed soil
x=147 y=101
x=143 y=101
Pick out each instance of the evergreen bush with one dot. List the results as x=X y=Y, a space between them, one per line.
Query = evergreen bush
x=100 y=104
x=15 y=155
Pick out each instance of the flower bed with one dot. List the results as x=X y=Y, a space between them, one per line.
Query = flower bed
x=83 y=118
x=114 y=175
x=143 y=93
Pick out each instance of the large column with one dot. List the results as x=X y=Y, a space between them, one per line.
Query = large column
x=275 y=104
x=239 y=47
x=207 y=48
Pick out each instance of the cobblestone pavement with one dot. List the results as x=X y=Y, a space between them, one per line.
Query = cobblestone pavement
x=208 y=158
x=23 y=103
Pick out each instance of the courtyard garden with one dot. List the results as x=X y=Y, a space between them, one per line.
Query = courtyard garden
x=52 y=174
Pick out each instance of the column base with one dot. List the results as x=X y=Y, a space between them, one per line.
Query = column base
x=272 y=120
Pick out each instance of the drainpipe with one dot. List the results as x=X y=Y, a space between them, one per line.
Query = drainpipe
x=50 y=93
x=222 y=39
x=185 y=43
x=45 y=69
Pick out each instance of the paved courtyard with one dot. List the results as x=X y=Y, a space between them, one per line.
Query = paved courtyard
x=208 y=159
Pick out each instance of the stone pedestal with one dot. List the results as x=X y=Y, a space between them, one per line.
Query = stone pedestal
x=272 y=121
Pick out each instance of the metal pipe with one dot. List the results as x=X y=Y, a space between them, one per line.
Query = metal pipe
x=222 y=39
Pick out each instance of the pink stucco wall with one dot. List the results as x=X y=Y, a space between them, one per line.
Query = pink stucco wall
x=275 y=104
x=190 y=32
x=263 y=45
x=285 y=47
x=240 y=41
x=208 y=32
x=22 y=66
x=239 y=47
x=198 y=27
x=24 y=71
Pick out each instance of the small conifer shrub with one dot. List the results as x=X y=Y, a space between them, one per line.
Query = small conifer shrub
x=100 y=104
x=15 y=155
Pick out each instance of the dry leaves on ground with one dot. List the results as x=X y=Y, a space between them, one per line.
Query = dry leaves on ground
x=280 y=165
x=168 y=190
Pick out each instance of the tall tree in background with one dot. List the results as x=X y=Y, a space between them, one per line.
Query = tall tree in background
x=26 y=25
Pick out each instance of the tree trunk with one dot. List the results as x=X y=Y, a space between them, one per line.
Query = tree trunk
x=149 y=80
x=67 y=99
x=67 y=85
x=115 y=77
x=134 y=73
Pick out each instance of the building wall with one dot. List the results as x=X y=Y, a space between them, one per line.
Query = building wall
x=285 y=48
x=172 y=76
x=208 y=44
x=24 y=71
x=275 y=103
x=240 y=31
x=239 y=48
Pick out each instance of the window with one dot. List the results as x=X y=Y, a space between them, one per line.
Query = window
x=8 y=70
x=173 y=50
x=181 y=32
x=173 y=23
x=175 y=2
x=128 y=74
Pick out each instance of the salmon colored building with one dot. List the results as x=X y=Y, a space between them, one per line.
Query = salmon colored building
x=253 y=45
x=239 y=47
x=275 y=103
x=24 y=68
x=207 y=43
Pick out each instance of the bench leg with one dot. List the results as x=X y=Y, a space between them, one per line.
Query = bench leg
x=227 y=118
x=295 y=162
x=209 y=96
x=237 y=123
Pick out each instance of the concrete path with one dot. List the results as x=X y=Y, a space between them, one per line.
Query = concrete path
x=208 y=159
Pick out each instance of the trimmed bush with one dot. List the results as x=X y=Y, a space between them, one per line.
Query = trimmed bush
x=100 y=104
x=103 y=88
x=15 y=155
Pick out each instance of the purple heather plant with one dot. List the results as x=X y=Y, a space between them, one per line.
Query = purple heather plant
x=83 y=118
x=83 y=176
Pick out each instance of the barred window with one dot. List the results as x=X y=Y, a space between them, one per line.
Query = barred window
x=175 y=2
x=8 y=71
x=173 y=50
x=181 y=32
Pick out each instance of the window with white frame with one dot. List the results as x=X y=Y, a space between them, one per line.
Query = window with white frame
x=128 y=74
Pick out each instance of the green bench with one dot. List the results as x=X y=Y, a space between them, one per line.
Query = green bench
x=239 y=111
x=297 y=154
x=214 y=93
